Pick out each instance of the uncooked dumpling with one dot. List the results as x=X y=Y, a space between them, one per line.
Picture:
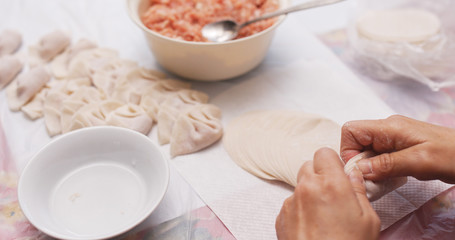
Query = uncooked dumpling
x=48 y=47
x=60 y=64
x=70 y=105
x=273 y=145
x=375 y=190
x=197 y=128
x=34 y=108
x=155 y=95
x=87 y=62
x=172 y=107
x=130 y=116
x=52 y=112
x=87 y=116
x=10 y=66
x=10 y=41
x=399 y=25
x=25 y=86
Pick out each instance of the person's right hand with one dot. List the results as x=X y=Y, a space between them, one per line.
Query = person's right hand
x=405 y=147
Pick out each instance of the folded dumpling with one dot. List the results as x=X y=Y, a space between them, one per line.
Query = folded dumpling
x=112 y=76
x=70 y=105
x=34 y=108
x=52 y=112
x=10 y=41
x=10 y=66
x=48 y=47
x=375 y=190
x=158 y=93
x=60 y=64
x=197 y=128
x=87 y=62
x=88 y=115
x=172 y=107
x=130 y=116
x=25 y=86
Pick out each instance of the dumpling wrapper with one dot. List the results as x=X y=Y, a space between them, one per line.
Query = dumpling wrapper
x=48 y=47
x=10 y=66
x=25 y=86
x=197 y=128
x=399 y=25
x=10 y=41
x=273 y=144
x=375 y=190
x=60 y=64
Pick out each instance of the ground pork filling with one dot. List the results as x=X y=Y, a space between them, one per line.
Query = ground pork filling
x=184 y=19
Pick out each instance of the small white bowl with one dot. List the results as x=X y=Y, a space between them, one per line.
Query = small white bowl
x=201 y=60
x=93 y=183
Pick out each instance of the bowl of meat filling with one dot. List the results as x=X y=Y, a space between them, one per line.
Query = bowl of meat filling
x=173 y=32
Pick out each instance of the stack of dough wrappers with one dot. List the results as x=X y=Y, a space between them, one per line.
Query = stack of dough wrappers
x=82 y=85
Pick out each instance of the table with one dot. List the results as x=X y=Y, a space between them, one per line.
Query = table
x=199 y=222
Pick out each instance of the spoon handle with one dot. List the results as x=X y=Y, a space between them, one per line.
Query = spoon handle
x=306 y=5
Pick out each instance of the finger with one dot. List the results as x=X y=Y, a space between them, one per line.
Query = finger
x=408 y=162
x=305 y=171
x=385 y=135
x=358 y=185
x=327 y=161
x=355 y=136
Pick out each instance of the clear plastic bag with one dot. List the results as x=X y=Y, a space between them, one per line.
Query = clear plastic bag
x=430 y=61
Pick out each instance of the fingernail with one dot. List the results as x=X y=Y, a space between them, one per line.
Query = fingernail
x=365 y=166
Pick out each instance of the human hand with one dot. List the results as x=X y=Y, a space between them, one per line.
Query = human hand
x=327 y=204
x=405 y=147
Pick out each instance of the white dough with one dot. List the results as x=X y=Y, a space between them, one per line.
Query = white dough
x=273 y=144
x=10 y=66
x=399 y=25
x=10 y=41
x=375 y=190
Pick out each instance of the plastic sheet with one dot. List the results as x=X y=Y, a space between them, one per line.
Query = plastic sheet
x=430 y=62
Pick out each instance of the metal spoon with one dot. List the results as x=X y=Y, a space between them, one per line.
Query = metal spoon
x=225 y=30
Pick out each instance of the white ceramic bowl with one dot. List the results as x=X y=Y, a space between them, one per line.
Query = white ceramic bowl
x=93 y=183
x=205 y=61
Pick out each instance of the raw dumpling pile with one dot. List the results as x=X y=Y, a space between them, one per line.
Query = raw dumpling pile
x=375 y=190
x=274 y=144
x=81 y=85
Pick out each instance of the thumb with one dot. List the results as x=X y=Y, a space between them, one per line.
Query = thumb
x=358 y=185
x=388 y=165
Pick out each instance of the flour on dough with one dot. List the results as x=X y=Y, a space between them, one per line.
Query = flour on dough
x=399 y=25
x=375 y=190
x=273 y=144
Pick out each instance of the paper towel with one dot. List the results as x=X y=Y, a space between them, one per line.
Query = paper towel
x=311 y=79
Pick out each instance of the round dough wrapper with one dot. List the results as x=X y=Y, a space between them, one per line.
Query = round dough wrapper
x=399 y=25
x=273 y=144
x=375 y=190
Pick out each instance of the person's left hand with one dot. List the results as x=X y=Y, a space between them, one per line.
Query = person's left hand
x=327 y=204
